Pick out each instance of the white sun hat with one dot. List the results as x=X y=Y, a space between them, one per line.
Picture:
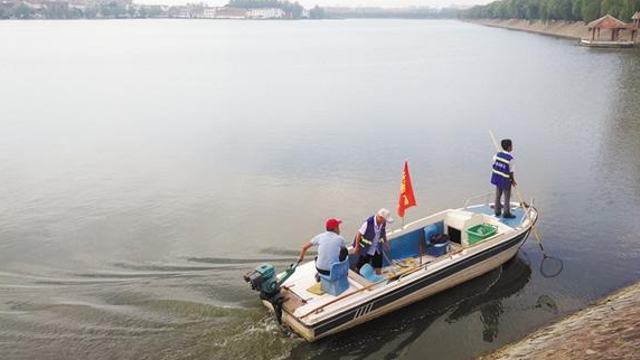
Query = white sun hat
x=386 y=215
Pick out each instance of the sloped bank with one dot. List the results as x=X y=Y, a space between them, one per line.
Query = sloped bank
x=568 y=29
x=609 y=329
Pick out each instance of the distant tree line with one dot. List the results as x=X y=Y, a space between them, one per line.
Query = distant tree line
x=394 y=13
x=93 y=10
x=317 y=13
x=291 y=9
x=570 y=10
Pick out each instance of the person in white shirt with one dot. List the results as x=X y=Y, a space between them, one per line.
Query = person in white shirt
x=331 y=247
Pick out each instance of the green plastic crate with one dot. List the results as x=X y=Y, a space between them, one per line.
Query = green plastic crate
x=480 y=232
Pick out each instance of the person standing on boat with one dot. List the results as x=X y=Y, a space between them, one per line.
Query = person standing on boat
x=331 y=247
x=503 y=178
x=370 y=238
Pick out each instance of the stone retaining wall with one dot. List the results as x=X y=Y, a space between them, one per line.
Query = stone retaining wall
x=609 y=329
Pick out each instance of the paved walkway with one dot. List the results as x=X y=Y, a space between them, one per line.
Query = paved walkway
x=608 y=330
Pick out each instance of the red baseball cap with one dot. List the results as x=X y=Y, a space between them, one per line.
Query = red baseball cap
x=332 y=223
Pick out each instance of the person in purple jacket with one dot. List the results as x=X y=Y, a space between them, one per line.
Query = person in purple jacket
x=370 y=239
x=503 y=178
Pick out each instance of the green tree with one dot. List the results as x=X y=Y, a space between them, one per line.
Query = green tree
x=5 y=13
x=629 y=7
x=153 y=11
x=316 y=13
x=613 y=7
x=589 y=10
x=21 y=11
x=56 y=10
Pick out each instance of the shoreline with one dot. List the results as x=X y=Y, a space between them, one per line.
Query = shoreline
x=566 y=29
x=610 y=328
x=570 y=30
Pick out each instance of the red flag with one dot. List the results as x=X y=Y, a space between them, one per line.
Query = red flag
x=407 y=199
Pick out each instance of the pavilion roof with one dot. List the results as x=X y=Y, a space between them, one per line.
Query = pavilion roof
x=607 y=22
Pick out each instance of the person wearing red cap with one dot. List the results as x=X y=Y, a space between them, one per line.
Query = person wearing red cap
x=331 y=247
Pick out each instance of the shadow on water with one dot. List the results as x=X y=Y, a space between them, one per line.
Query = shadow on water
x=390 y=335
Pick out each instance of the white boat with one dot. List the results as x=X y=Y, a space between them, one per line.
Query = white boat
x=411 y=274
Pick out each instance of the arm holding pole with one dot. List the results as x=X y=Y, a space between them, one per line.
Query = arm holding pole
x=304 y=249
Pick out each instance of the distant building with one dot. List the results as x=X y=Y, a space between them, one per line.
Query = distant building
x=78 y=5
x=210 y=12
x=615 y=26
x=34 y=5
x=164 y=10
x=231 y=13
x=183 y=13
x=266 y=13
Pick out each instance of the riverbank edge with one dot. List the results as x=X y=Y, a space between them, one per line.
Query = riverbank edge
x=566 y=29
x=610 y=328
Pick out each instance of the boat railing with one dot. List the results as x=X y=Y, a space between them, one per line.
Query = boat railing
x=486 y=196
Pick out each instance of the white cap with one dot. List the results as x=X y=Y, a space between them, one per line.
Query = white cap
x=385 y=214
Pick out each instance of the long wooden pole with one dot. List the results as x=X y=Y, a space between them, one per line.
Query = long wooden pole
x=519 y=194
x=389 y=261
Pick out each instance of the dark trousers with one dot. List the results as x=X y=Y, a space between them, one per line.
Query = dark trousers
x=375 y=260
x=507 y=200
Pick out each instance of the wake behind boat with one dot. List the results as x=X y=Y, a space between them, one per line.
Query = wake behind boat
x=418 y=266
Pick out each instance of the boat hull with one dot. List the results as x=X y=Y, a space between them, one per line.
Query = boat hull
x=419 y=289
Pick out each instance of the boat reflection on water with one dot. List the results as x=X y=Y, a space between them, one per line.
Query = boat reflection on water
x=390 y=336
x=513 y=276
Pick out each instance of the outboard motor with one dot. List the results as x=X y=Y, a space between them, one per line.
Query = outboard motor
x=263 y=279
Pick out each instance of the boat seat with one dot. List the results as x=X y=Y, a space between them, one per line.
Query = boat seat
x=413 y=243
x=367 y=272
x=433 y=229
x=337 y=281
x=358 y=279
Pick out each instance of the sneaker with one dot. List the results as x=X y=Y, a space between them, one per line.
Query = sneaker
x=498 y=214
x=509 y=216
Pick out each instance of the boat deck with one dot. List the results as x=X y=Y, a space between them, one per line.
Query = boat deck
x=302 y=299
x=488 y=210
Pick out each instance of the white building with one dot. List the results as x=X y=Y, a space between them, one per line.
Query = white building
x=268 y=13
x=210 y=12
x=231 y=13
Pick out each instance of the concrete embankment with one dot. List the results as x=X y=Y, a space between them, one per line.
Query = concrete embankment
x=568 y=29
x=609 y=329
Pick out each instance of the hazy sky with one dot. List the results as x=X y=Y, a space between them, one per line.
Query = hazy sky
x=351 y=3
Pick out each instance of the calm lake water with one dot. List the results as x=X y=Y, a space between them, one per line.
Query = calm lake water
x=146 y=165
